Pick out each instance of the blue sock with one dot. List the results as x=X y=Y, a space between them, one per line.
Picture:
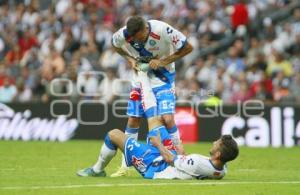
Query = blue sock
x=109 y=144
x=163 y=133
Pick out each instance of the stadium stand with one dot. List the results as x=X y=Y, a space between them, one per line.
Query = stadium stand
x=242 y=49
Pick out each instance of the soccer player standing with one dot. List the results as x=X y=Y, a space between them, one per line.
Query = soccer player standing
x=159 y=45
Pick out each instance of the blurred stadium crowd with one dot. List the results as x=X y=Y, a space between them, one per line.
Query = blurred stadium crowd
x=44 y=40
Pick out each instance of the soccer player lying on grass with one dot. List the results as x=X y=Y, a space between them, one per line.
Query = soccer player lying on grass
x=158 y=160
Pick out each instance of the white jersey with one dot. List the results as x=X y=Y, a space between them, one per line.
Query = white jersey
x=163 y=40
x=190 y=167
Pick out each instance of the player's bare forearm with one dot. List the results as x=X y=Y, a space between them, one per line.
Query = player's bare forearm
x=166 y=154
x=130 y=59
x=177 y=55
x=123 y=53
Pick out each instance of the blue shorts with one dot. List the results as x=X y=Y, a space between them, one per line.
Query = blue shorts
x=166 y=102
x=145 y=158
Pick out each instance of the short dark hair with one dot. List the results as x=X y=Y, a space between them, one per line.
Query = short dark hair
x=134 y=25
x=229 y=148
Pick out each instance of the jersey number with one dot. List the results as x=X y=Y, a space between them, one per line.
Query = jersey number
x=169 y=30
x=130 y=146
x=190 y=162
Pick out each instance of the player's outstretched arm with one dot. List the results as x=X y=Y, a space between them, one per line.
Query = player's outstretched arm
x=165 y=153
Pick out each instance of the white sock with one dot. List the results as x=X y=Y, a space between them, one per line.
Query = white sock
x=105 y=156
x=132 y=135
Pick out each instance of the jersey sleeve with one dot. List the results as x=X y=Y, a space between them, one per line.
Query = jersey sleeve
x=173 y=36
x=118 y=39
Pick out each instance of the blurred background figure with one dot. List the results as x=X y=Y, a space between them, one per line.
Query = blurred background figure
x=8 y=91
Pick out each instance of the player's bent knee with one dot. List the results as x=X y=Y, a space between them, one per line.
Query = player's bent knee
x=118 y=138
x=115 y=134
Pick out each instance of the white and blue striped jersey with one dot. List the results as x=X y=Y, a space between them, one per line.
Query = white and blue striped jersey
x=163 y=40
x=193 y=166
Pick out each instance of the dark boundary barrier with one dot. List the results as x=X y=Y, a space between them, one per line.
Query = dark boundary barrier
x=260 y=127
x=40 y=121
x=274 y=126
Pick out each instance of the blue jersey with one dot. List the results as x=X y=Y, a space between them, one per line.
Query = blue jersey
x=146 y=158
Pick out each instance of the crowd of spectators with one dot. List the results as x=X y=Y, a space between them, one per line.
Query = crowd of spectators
x=64 y=47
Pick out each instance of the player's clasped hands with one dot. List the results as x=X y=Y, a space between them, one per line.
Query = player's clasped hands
x=155 y=63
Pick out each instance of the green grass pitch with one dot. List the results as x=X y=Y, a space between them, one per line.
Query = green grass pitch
x=49 y=168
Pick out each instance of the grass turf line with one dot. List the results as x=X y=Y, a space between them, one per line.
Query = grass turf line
x=33 y=167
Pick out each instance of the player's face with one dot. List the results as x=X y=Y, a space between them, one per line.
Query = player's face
x=215 y=150
x=141 y=36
